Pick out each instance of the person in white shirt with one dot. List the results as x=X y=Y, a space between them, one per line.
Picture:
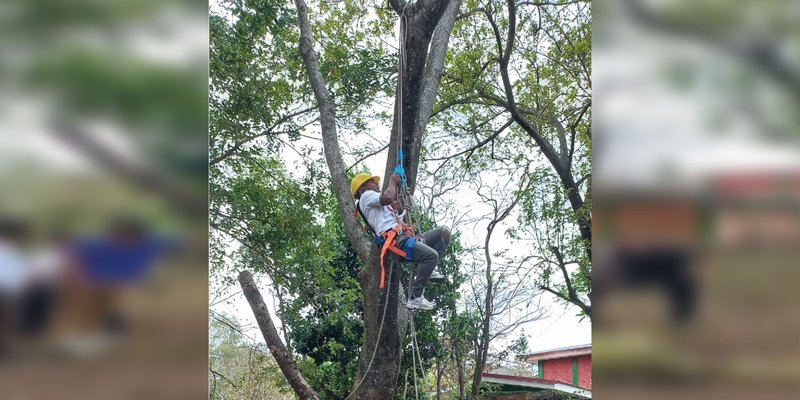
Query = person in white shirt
x=13 y=269
x=383 y=212
x=46 y=276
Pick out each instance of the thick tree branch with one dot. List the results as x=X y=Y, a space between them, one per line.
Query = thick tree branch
x=512 y=31
x=549 y=151
x=276 y=347
x=179 y=197
x=564 y=174
x=505 y=57
x=429 y=64
x=330 y=140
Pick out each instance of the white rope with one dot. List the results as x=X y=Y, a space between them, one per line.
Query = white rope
x=400 y=75
x=408 y=201
x=414 y=364
x=377 y=338
x=415 y=346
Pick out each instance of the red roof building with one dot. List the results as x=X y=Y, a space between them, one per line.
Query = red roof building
x=564 y=373
x=567 y=365
x=521 y=388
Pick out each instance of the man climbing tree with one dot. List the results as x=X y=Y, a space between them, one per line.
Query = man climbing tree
x=424 y=34
x=383 y=214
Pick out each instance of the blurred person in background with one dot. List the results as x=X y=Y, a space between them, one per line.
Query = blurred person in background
x=104 y=269
x=46 y=275
x=668 y=268
x=13 y=267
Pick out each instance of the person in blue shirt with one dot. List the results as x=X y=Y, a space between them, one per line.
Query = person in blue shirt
x=109 y=264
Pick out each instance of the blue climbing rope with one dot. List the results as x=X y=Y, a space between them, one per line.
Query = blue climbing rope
x=399 y=169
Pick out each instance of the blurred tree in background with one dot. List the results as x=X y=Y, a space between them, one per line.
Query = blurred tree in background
x=119 y=83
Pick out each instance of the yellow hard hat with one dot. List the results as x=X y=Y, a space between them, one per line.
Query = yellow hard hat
x=360 y=179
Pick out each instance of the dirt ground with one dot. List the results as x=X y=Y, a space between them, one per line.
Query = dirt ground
x=164 y=355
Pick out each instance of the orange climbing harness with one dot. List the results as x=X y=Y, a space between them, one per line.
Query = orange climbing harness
x=387 y=241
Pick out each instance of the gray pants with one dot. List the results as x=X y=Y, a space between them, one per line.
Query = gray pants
x=426 y=254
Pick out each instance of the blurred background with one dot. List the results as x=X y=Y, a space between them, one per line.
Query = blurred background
x=696 y=199
x=103 y=187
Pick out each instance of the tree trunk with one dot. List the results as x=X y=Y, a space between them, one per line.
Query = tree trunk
x=424 y=21
x=426 y=38
x=285 y=361
x=439 y=372
x=405 y=384
x=461 y=378
x=378 y=364
x=429 y=23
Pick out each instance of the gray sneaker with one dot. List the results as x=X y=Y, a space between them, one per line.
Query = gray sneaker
x=420 y=303
x=436 y=277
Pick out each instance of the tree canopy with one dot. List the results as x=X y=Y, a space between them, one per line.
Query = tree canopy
x=509 y=122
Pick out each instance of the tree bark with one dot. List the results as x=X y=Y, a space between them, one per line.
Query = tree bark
x=428 y=29
x=330 y=139
x=276 y=347
x=382 y=334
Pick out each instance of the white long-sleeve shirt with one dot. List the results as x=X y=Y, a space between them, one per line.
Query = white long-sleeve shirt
x=380 y=217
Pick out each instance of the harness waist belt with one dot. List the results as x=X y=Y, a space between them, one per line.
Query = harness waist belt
x=389 y=244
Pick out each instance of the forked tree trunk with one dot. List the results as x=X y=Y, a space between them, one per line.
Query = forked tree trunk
x=429 y=23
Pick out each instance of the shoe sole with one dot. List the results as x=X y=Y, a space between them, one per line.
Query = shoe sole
x=410 y=307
